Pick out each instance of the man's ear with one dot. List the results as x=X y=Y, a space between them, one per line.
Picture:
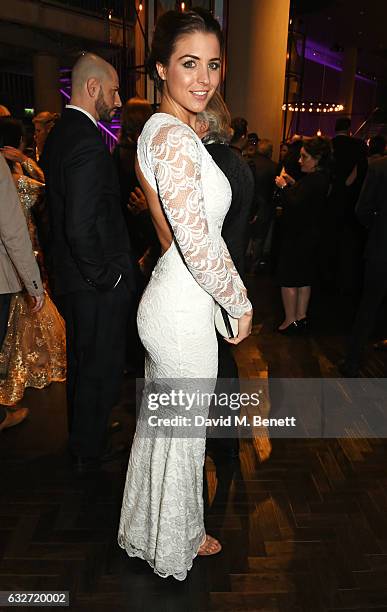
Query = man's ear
x=93 y=85
x=161 y=71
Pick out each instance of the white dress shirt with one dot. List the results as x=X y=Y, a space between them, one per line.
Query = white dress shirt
x=85 y=112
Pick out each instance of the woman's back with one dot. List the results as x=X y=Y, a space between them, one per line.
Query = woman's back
x=187 y=178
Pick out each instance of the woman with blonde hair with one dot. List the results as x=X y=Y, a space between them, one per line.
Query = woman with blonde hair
x=43 y=123
x=217 y=120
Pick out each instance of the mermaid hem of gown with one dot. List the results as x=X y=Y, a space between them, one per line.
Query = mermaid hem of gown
x=132 y=551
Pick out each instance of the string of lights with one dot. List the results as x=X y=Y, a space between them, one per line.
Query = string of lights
x=313 y=107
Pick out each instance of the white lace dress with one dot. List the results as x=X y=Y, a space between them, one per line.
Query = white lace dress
x=162 y=509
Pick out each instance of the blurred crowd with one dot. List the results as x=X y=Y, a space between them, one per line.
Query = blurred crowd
x=295 y=217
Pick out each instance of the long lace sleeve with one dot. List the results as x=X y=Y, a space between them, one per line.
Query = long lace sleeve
x=175 y=158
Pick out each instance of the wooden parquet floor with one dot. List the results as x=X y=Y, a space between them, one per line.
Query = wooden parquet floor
x=303 y=523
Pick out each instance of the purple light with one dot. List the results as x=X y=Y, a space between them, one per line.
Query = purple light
x=321 y=55
x=65 y=94
x=312 y=57
x=105 y=129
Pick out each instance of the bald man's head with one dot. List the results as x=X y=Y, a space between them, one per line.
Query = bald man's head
x=95 y=86
x=89 y=66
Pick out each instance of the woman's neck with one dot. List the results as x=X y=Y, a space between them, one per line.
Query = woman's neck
x=170 y=107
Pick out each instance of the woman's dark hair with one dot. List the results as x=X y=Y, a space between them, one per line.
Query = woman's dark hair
x=239 y=126
x=253 y=138
x=320 y=148
x=11 y=132
x=342 y=124
x=135 y=113
x=169 y=28
x=290 y=161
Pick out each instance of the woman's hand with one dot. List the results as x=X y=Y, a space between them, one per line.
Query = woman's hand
x=13 y=155
x=289 y=179
x=34 y=302
x=244 y=328
x=280 y=182
x=284 y=180
x=137 y=201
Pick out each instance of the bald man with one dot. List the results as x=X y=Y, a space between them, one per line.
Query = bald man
x=90 y=257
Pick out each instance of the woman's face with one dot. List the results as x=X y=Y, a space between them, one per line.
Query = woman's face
x=41 y=133
x=192 y=74
x=307 y=162
x=283 y=151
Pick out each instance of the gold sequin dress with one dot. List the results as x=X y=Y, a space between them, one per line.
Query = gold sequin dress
x=34 y=349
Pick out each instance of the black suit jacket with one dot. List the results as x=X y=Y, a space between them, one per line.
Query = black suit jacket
x=371 y=209
x=265 y=171
x=89 y=244
x=347 y=153
x=240 y=177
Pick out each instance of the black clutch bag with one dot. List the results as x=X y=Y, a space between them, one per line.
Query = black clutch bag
x=227 y=326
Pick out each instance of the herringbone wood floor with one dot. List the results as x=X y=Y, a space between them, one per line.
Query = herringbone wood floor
x=303 y=522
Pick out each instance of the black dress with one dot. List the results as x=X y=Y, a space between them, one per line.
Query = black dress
x=236 y=223
x=235 y=235
x=303 y=206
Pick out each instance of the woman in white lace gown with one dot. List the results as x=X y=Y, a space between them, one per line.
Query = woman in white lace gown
x=188 y=196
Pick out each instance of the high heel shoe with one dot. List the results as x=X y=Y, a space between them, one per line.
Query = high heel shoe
x=302 y=324
x=290 y=330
